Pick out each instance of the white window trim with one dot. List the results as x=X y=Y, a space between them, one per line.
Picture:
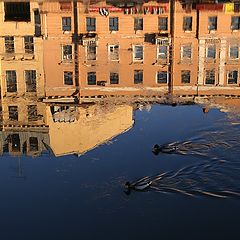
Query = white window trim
x=205 y=78
x=232 y=84
x=157 y=77
x=209 y=58
x=134 y=59
x=112 y=45
x=67 y=60
x=229 y=53
x=86 y=54
x=186 y=59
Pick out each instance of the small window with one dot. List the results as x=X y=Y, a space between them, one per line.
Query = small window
x=16 y=144
x=232 y=77
x=13 y=113
x=30 y=80
x=28 y=44
x=162 y=52
x=67 y=52
x=234 y=52
x=187 y=23
x=162 y=77
x=91 y=24
x=91 y=78
x=210 y=77
x=91 y=52
x=212 y=23
x=138 y=53
x=211 y=51
x=68 y=78
x=113 y=23
x=185 y=76
x=138 y=23
x=114 y=78
x=11 y=79
x=32 y=113
x=113 y=52
x=66 y=23
x=235 y=23
x=9 y=44
x=138 y=76
x=186 y=52
x=163 y=23
x=17 y=11
x=33 y=144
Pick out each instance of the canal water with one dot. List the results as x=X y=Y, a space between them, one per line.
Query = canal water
x=194 y=191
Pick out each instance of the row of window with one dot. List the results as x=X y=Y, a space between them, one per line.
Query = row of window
x=138 y=23
x=31 y=109
x=28 y=44
x=29 y=77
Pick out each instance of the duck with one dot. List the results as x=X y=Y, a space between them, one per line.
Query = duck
x=138 y=186
x=167 y=148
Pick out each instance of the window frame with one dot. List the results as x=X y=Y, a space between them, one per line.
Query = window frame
x=234 y=28
x=189 y=76
x=158 y=79
x=210 y=71
x=65 y=56
x=92 y=26
x=114 y=27
x=65 y=24
x=136 y=80
x=207 y=51
x=88 y=80
x=11 y=115
x=66 y=76
x=12 y=81
x=10 y=42
x=184 y=58
x=30 y=73
x=165 y=29
x=111 y=80
x=109 y=52
x=135 y=59
x=184 y=27
x=28 y=45
x=232 y=71
x=232 y=46
x=211 y=26
x=138 y=23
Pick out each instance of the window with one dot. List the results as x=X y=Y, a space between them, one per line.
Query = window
x=33 y=144
x=212 y=23
x=185 y=76
x=17 y=11
x=68 y=78
x=113 y=52
x=13 y=113
x=210 y=77
x=114 y=78
x=113 y=23
x=235 y=23
x=232 y=77
x=11 y=79
x=162 y=52
x=66 y=23
x=91 y=24
x=138 y=24
x=163 y=23
x=162 y=77
x=137 y=53
x=187 y=23
x=9 y=44
x=30 y=80
x=91 y=78
x=91 y=52
x=138 y=76
x=67 y=52
x=186 y=52
x=32 y=113
x=211 y=51
x=16 y=144
x=28 y=44
x=234 y=52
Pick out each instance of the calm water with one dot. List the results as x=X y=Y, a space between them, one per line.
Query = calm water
x=83 y=197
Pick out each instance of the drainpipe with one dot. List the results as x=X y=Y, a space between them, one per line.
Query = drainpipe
x=76 y=47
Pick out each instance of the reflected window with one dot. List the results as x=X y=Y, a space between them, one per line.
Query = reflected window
x=17 y=11
x=162 y=23
x=232 y=77
x=11 y=80
x=138 y=23
x=32 y=113
x=92 y=52
x=33 y=144
x=68 y=78
x=91 y=24
x=212 y=23
x=137 y=52
x=113 y=51
x=13 y=113
x=91 y=78
x=114 y=78
x=185 y=76
x=113 y=24
x=28 y=44
x=162 y=77
x=210 y=77
x=235 y=23
x=234 y=52
x=138 y=76
x=211 y=51
x=30 y=80
x=186 y=52
x=187 y=23
x=9 y=44
x=67 y=52
x=15 y=140
x=66 y=23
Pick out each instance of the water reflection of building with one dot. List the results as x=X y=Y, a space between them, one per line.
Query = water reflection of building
x=77 y=129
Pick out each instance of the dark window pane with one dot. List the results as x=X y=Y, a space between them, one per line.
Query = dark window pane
x=138 y=24
x=32 y=113
x=162 y=77
x=11 y=79
x=91 y=24
x=28 y=44
x=9 y=44
x=113 y=23
x=17 y=11
x=30 y=80
x=68 y=78
x=91 y=78
x=163 y=23
x=187 y=23
x=13 y=113
x=185 y=76
x=66 y=23
x=114 y=78
x=138 y=76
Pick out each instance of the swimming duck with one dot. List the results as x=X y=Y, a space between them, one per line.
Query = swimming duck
x=138 y=186
x=167 y=148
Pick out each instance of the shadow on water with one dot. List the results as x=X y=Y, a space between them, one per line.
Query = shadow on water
x=216 y=174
